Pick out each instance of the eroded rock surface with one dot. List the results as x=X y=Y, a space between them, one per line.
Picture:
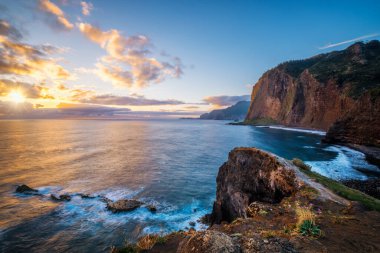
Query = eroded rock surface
x=250 y=175
x=209 y=241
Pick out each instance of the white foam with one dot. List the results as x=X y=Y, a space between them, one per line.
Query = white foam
x=296 y=129
x=343 y=165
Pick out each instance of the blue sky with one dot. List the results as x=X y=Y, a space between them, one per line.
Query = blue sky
x=224 y=46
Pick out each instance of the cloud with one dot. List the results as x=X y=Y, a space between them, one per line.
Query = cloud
x=10 y=110
x=86 y=8
x=55 y=15
x=26 y=89
x=350 y=41
x=128 y=100
x=226 y=100
x=129 y=62
x=18 y=58
x=8 y=31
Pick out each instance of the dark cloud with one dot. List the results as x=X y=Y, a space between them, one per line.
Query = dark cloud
x=226 y=100
x=10 y=110
x=128 y=100
x=8 y=31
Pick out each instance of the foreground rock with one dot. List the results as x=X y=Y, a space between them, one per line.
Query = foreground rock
x=123 y=205
x=209 y=241
x=250 y=175
x=25 y=189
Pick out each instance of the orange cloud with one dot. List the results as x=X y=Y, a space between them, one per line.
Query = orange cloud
x=129 y=62
x=86 y=8
x=22 y=59
x=55 y=14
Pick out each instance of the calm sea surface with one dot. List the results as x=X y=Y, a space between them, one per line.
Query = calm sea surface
x=169 y=163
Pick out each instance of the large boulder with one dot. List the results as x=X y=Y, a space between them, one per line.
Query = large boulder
x=124 y=205
x=251 y=175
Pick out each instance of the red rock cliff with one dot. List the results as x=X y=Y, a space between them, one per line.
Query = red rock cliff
x=319 y=91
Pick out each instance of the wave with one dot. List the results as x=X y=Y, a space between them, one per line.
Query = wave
x=318 y=132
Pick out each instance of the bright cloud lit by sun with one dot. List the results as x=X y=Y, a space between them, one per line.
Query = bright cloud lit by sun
x=16 y=97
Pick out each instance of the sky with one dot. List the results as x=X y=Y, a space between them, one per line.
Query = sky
x=149 y=58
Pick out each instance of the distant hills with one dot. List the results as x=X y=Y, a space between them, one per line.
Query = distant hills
x=237 y=111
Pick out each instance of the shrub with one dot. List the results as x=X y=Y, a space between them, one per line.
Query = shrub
x=300 y=164
x=147 y=242
x=308 y=228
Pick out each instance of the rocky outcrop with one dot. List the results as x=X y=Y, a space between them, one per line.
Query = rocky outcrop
x=340 y=87
x=25 y=189
x=209 y=241
x=360 y=125
x=250 y=175
x=235 y=112
x=124 y=205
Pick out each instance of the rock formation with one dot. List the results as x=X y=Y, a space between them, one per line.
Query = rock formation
x=340 y=87
x=250 y=175
x=124 y=205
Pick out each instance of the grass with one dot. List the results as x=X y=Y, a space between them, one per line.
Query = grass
x=340 y=189
x=306 y=221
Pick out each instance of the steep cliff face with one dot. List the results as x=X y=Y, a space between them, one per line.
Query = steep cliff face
x=316 y=92
x=361 y=125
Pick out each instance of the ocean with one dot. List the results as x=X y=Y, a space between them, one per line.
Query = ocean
x=171 y=164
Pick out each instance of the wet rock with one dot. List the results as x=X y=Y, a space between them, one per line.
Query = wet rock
x=370 y=186
x=151 y=208
x=250 y=175
x=86 y=196
x=208 y=241
x=63 y=197
x=124 y=205
x=25 y=189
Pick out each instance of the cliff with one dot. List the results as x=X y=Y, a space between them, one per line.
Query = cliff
x=236 y=112
x=340 y=87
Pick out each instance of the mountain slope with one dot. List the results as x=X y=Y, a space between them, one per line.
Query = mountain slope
x=235 y=112
x=319 y=91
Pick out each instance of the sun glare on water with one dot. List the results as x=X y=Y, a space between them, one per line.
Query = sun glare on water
x=16 y=97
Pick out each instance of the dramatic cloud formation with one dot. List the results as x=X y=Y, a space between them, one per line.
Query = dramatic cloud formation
x=86 y=8
x=55 y=15
x=351 y=40
x=22 y=59
x=27 y=90
x=129 y=62
x=128 y=100
x=226 y=100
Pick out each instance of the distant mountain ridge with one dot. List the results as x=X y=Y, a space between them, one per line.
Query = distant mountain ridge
x=237 y=111
x=337 y=91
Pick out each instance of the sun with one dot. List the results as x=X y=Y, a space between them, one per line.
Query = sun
x=16 y=97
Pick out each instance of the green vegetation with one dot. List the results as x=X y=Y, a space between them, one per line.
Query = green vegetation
x=357 y=66
x=308 y=228
x=340 y=189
